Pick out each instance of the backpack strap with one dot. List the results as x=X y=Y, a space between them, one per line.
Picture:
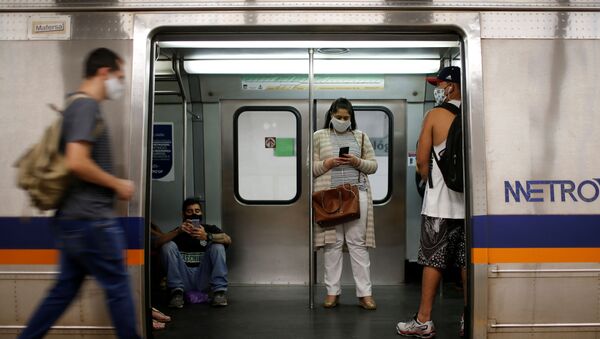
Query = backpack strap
x=99 y=122
x=429 y=180
x=70 y=99
x=73 y=97
x=454 y=110
x=450 y=107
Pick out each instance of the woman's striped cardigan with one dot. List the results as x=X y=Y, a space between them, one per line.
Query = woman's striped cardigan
x=323 y=150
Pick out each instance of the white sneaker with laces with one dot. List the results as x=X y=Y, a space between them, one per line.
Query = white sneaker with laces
x=415 y=328
x=461 y=333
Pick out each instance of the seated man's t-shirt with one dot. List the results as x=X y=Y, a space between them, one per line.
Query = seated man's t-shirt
x=191 y=249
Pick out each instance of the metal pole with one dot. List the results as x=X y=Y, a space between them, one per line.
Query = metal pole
x=311 y=266
x=185 y=148
x=177 y=68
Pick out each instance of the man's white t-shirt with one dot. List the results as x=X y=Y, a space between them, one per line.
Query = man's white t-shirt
x=440 y=201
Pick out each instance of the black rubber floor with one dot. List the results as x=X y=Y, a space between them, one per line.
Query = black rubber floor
x=273 y=312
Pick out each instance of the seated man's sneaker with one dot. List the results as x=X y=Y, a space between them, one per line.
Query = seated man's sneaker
x=219 y=299
x=461 y=333
x=414 y=328
x=176 y=299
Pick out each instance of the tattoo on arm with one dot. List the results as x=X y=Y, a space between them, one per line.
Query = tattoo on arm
x=221 y=238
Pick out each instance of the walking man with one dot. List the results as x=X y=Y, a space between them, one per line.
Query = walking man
x=90 y=237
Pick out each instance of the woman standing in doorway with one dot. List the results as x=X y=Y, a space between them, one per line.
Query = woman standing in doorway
x=331 y=169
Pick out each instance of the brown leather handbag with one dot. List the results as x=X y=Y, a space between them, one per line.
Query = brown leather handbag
x=337 y=205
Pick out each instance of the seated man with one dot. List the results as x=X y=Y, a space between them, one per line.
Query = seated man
x=193 y=255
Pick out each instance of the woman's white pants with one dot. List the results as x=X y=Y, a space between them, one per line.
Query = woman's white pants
x=355 y=233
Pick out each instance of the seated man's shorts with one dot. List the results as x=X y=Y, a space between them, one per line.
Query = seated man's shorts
x=442 y=242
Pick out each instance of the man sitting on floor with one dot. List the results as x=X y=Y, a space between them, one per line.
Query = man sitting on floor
x=193 y=255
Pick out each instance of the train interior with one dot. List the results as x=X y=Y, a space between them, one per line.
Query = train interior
x=231 y=126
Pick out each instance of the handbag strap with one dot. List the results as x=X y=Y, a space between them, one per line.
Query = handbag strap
x=362 y=146
x=362 y=143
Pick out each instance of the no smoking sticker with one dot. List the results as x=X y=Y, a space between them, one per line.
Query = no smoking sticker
x=270 y=142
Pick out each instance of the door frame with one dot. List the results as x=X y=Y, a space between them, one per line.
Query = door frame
x=466 y=24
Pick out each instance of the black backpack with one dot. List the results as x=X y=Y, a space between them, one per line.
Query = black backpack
x=450 y=161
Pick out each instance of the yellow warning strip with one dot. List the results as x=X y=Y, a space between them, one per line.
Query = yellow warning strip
x=50 y=257
x=534 y=255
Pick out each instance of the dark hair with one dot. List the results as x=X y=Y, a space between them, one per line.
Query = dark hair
x=98 y=58
x=189 y=202
x=341 y=103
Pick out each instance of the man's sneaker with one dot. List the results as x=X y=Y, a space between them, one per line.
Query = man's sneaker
x=414 y=328
x=461 y=333
x=219 y=299
x=176 y=299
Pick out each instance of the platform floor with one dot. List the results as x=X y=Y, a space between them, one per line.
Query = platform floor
x=273 y=312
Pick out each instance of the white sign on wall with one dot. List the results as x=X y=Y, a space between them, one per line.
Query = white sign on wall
x=322 y=82
x=49 y=27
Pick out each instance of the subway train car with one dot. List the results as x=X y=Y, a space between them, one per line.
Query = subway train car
x=221 y=103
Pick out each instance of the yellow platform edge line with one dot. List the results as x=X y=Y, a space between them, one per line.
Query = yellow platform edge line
x=50 y=257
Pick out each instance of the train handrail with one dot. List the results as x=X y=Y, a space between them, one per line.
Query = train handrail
x=544 y=325
x=61 y=327
x=29 y=272
x=556 y=270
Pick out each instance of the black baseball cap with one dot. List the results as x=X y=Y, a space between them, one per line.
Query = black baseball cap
x=449 y=74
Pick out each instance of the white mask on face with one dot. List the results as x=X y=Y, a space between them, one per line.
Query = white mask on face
x=440 y=95
x=340 y=125
x=114 y=88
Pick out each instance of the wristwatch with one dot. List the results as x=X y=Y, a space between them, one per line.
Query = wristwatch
x=209 y=237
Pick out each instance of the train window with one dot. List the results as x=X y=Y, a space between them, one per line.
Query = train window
x=266 y=154
x=377 y=122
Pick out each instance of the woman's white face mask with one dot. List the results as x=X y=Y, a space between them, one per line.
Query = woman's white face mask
x=114 y=88
x=340 y=126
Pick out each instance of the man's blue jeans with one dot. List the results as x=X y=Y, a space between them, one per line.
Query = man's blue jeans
x=212 y=271
x=88 y=247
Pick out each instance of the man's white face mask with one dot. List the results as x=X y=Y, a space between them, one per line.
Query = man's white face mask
x=440 y=95
x=114 y=88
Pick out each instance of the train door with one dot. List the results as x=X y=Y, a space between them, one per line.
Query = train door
x=264 y=191
x=246 y=143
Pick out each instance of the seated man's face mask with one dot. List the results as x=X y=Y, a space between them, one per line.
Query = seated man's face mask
x=195 y=216
x=193 y=213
